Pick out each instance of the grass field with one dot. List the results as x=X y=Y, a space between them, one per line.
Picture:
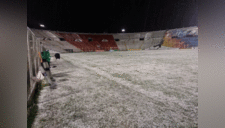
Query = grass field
x=144 y=89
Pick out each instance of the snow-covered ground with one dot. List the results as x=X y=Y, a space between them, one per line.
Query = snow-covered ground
x=120 y=89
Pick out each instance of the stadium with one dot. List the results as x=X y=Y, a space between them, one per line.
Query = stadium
x=107 y=80
x=128 y=79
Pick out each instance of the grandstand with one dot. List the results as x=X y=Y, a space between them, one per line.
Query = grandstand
x=53 y=42
x=181 y=38
x=94 y=42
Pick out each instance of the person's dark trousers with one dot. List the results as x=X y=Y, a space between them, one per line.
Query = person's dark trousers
x=44 y=60
x=47 y=69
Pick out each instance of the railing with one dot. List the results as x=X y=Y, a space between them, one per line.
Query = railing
x=33 y=61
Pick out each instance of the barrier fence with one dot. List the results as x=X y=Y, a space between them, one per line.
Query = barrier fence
x=34 y=48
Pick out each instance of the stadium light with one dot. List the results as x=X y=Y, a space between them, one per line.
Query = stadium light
x=41 y=25
x=123 y=30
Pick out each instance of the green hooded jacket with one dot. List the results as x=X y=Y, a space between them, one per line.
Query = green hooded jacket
x=46 y=55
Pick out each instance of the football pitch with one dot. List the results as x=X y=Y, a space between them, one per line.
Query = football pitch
x=148 y=88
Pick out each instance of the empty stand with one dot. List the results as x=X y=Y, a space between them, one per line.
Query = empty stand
x=120 y=41
x=99 y=42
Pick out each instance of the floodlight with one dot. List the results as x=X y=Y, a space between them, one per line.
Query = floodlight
x=41 y=25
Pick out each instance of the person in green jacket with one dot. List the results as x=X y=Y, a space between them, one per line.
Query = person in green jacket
x=46 y=58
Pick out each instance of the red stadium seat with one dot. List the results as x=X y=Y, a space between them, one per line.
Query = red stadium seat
x=104 y=41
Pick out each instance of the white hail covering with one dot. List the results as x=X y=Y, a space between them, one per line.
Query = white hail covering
x=153 y=88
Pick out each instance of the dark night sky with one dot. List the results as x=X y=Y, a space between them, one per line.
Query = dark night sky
x=112 y=16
